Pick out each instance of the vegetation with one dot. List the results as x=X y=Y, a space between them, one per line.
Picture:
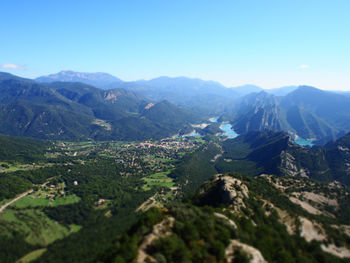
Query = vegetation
x=16 y=149
x=98 y=201
x=76 y=111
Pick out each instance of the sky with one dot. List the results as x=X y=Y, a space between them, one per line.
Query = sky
x=269 y=43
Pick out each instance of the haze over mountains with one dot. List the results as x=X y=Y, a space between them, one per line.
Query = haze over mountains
x=96 y=79
x=183 y=84
x=73 y=105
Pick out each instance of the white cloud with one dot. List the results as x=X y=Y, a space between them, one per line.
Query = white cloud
x=304 y=66
x=12 y=66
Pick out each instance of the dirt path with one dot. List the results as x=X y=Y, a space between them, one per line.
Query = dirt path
x=3 y=207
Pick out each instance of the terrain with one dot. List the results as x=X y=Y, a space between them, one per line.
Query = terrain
x=306 y=112
x=78 y=106
x=76 y=111
x=95 y=169
x=169 y=200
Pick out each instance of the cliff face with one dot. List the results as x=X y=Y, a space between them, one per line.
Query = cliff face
x=270 y=152
x=295 y=113
x=331 y=162
x=258 y=112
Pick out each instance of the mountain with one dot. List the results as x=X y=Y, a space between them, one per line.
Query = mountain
x=258 y=111
x=30 y=109
x=97 y=79
x=302 y=111
x=307 y=112
x=200 y=96
x=246 y=89
x=283 y=91
x=179 y=88
x=271 y=152
x=7 y=76
x=332 y=108
x=337 y=155
x=181 y=82
x=14 y=149
x=233 y=218
x=73 y=110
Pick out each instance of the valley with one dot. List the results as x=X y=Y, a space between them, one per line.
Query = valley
x=175 y=131
x=115 y=175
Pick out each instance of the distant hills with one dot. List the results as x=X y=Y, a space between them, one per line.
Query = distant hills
x=89 y=98
x=307 y=112
x=98 y=79
x=191 y=93
x=161 y=84
x=76 y=111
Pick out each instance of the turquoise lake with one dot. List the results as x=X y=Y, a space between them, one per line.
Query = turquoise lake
x=304 y=142
x=193 y=134
x=227 y=129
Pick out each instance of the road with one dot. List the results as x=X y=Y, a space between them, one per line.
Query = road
x=3 y=207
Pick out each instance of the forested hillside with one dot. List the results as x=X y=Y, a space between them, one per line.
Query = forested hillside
x=76 y=111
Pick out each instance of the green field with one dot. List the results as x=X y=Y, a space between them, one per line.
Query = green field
x=35 y=225
x=158 y=179
x=32 y=201
x=32 y=256
x=8 y=167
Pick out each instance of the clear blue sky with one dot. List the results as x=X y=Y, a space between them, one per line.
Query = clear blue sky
x=263 y=42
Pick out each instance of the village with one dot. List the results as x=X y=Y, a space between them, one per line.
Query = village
x=134 y=157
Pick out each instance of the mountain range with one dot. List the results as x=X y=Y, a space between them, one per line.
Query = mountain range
x=191 y=93
x=259 y=197
x=75 y=105
x=98 y=79
x=71 y=111
x=306 y=112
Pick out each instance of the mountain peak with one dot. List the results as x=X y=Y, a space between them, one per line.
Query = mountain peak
x=97 y=79
x=305 y=88
x=246 y=89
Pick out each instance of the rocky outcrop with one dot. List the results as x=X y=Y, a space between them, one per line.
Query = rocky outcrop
x=232 y=190
x=289 y=166
x=252 y=253
x=159 y=230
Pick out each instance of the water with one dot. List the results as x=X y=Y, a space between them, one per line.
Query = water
x=192 y=134
x=304 y=142
x=227 y=129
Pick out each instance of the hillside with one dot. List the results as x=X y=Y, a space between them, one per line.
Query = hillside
x=306 y=112
x=98 y=79
x=15 y=149
x=76 y=111
x=239 y=219
x=270 y=152
x=164 y=200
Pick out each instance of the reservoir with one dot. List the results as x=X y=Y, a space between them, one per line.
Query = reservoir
x=304 y=142
x=192 y=134
x=227 y=129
